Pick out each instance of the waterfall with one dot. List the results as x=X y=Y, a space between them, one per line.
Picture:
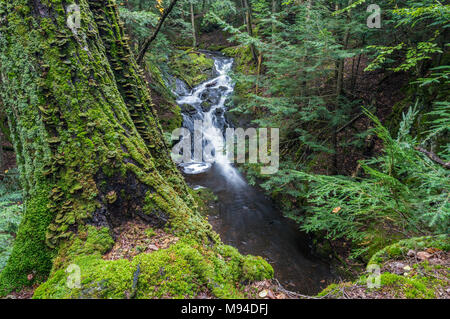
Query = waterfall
x=244 y=217
x=208 y=100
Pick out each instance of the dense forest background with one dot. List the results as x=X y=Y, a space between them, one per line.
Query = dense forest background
x=362 y=108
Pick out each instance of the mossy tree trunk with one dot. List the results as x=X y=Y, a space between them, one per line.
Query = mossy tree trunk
x=89 y=148
x=92 y=157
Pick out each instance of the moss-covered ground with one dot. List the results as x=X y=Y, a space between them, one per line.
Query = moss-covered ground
x=416 y=268
x=183 y=270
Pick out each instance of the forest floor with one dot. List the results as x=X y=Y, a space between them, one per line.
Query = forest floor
x=405 y=272
x=416 y=268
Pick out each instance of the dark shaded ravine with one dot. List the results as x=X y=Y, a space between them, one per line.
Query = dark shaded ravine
x=243 y=216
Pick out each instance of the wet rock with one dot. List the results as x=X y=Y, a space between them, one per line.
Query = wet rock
x=223 y=89
x=220 y=112
x=206 y=106
x=189 y=109
x=211 y=96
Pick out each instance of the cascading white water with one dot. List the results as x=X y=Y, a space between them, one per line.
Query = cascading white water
x=216 y=92
x=243 y=216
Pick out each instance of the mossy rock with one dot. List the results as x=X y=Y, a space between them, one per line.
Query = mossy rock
x=243 y=65
x=243 y=59
x=192 y=67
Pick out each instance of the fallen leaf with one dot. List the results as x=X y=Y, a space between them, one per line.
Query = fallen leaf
x=337 y=210
x=432 y=250
x=263 y=294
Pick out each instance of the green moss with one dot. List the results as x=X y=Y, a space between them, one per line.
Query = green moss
x=192 y=67
x=421 y=283
x=410 y=288
x=399 y=249
x=150 y=232
x=256 y=269
x=330 y=290
x=31 y=255
x=183 y=270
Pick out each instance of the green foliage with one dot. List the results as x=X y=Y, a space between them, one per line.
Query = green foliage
x=429 y=15
x=287 y=91
x=438 y=134
x=402 y=191
x=10 y=214
x=414 y=55
x=141 y=22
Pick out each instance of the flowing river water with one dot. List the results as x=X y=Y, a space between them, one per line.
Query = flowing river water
x=243 y=216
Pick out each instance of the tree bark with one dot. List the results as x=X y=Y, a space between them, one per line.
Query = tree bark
x=90 y=151
x=432 y=156
x=274 y=11
x=194 y=30
x=249 y=23
x=339 y=87
x=1 y=152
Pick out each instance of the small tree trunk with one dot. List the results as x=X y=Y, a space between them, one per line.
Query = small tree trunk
x=1 y=152
x=274 y=11
x=89 y=148
x=194 y=30
x=249 y=23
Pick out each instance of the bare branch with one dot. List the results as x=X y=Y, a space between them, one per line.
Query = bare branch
x=433 y=157
x=149 y=41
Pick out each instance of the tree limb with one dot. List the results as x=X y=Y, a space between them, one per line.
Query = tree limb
x=433 y=157
x=148 y=41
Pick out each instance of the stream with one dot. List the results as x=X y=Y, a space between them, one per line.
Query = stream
x=243 y=216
